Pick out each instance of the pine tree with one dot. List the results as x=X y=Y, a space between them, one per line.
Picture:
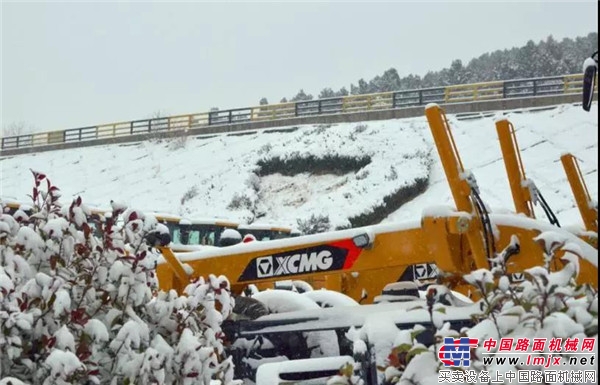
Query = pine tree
x=326 y=93
x=342 y=92
x=546 y=58
x=301 y=96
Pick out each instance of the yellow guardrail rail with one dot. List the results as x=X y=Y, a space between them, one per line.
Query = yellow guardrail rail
x=567 y=84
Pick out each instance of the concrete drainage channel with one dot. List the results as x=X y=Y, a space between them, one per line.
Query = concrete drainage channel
x=488 y=114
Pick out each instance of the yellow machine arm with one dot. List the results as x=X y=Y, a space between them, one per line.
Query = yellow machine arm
x=457 y=178
x=524 y=192
x=588 y=211
x=514 y=168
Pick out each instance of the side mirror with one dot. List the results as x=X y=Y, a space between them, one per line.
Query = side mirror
x=589 y=81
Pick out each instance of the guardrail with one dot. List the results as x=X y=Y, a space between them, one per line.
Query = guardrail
x=556 y=85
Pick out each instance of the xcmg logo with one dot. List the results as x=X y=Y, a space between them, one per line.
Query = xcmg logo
x=293 y=264
x=313 y=259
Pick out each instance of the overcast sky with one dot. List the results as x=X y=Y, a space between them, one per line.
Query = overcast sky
x=67 y=65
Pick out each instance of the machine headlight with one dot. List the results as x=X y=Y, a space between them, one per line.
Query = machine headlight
x=363 y=241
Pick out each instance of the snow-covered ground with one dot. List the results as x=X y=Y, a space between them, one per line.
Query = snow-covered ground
x=199 y=177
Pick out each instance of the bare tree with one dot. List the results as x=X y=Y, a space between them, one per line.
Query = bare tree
x=17 y=128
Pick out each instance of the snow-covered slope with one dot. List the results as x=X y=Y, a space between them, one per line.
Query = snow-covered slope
x=202 y=176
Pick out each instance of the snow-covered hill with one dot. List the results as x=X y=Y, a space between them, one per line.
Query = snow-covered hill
x=210 y=176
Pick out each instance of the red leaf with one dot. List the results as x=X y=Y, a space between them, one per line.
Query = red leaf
x=82 y=348
x=86 y=230
x=133 y=216
x=94 y=372
x=78 y=316
x=81 y=249
x=192 y=374
x=39 y=176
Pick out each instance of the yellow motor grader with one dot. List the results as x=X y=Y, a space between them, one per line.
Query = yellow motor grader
x=444 y=244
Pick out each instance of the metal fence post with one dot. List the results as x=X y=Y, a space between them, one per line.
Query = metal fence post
x=18 y=137
x=394 y=99
x=420 y=97
x=229 y=118
x=319 y=107
x=503 y=90
x=131 y=128
x=534 y=87
x=296 y=109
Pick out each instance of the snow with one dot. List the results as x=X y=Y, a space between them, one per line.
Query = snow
x=589 y=62
x=297 y=241
x=55 y=227
x=29 y=239
x=162 y=229
x=381 y=333
x=261 y=226
x=482 y=276
x=63 y=364
x=96 y=330
x=268 y=374
x=64 y=339
x=585 y=250
x=282 y=301
x=542 y=137
x=231 y=234
x=118 y=206
x=6 y=283
x=342 y=317
x=406 y=144
x=62 y=303
x=329 y=298
x=207 y=221
x=11 y=381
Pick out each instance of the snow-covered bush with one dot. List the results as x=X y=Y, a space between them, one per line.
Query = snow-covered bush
x=76 y=309
x=315 y=224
